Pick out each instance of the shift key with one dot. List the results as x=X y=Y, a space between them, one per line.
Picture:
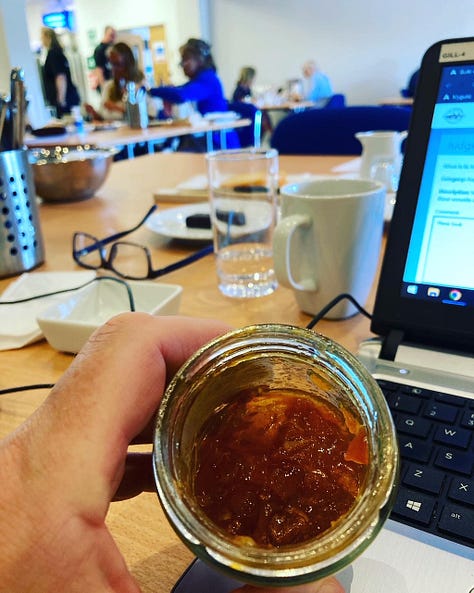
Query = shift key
x=457 y=521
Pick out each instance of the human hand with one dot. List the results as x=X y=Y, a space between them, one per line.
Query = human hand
x=62 y=467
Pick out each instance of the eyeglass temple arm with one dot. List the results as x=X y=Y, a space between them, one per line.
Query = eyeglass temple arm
x=117 y=236
x=183 y=262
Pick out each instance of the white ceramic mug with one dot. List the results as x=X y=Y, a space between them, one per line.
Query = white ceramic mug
x=328 y=241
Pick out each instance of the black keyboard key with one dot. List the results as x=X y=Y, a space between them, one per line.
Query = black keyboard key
x=414 y=506
x=462 y=490
x=400 y=402
x=442 y=412
x=436 y=440
x=413 y=425
x=455 y=461
x=424 y=478
x=418 y=391
x=454 y=400
x=388 y=385
x=414 y=449
x=456 y=437
x=467 y=419
x=457 y=520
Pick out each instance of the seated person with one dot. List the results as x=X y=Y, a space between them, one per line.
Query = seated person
x=243 y=88
x=409 y=92
x=124 y=69
x=243 y=93
x=316 y=85
x=204 y=87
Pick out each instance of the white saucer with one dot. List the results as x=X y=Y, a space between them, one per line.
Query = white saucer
x=171 y=223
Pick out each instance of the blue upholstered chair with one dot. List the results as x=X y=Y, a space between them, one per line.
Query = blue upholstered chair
x=337 y=100
x=248 y=135
x=331 y=131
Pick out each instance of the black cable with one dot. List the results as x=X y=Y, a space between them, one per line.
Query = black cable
x=39 y=296
x=310 y=325
x=98 y=278
x=332 y=304
x=26 y=388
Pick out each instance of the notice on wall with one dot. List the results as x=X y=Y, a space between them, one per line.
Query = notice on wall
x=159 y=51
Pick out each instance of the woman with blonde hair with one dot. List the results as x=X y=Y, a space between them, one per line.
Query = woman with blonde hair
x=59 y=89
x=243 y=89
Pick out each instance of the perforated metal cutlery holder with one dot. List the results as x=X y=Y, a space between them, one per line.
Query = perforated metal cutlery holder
x=137 y=115
x=21 y=241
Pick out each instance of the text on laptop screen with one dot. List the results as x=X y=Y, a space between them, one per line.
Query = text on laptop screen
x=440 y=260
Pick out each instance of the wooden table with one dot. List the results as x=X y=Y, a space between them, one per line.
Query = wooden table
x=153 y=552
x=286 y=106
x=397 y=101
x=123 y=135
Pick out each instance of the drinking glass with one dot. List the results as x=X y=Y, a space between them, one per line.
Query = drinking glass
x=243 y=201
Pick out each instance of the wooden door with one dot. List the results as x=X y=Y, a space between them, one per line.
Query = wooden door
x=159 y=53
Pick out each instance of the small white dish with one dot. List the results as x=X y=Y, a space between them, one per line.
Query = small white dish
x=68 y=324
x=18 y=325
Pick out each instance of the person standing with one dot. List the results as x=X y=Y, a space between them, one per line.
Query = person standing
x=60 y=91
x=102 y=63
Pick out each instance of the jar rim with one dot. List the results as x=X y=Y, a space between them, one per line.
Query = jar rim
x=340 y=544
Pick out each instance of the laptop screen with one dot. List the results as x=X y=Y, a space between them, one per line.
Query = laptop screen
x=426 y=287
x=440 y=259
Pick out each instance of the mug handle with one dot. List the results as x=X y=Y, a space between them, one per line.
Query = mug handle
x=282 y=241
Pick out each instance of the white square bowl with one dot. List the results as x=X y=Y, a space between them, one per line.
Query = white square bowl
x=68 y=324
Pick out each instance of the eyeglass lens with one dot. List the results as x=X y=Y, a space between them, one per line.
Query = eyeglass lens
x=86 y=251
x=129 y=260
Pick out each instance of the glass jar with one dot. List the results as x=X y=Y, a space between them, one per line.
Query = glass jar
x=277 y=357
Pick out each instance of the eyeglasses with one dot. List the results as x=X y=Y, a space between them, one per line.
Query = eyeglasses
x=127 y=260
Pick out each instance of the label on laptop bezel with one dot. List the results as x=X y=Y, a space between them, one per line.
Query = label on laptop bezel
x=457 y=52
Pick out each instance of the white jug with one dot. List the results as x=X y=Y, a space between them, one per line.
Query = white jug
x=381 y=156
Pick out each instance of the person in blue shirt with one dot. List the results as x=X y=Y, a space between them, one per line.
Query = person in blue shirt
x=203 y=88
x=316 y=84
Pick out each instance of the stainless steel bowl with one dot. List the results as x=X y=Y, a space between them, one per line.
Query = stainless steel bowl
x=69 y=173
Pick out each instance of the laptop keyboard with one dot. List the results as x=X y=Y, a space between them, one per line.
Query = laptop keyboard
x=436 y=438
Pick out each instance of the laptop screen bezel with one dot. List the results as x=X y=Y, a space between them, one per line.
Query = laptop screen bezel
x=432 y=323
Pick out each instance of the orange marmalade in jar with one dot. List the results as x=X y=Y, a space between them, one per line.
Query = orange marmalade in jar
x=275 y=455
x=276 y=468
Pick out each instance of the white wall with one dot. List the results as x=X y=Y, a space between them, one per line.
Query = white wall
x=367 y=47
x=14 y=51
x=181 y=18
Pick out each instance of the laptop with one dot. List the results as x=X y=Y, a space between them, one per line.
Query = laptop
x=423 y=357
